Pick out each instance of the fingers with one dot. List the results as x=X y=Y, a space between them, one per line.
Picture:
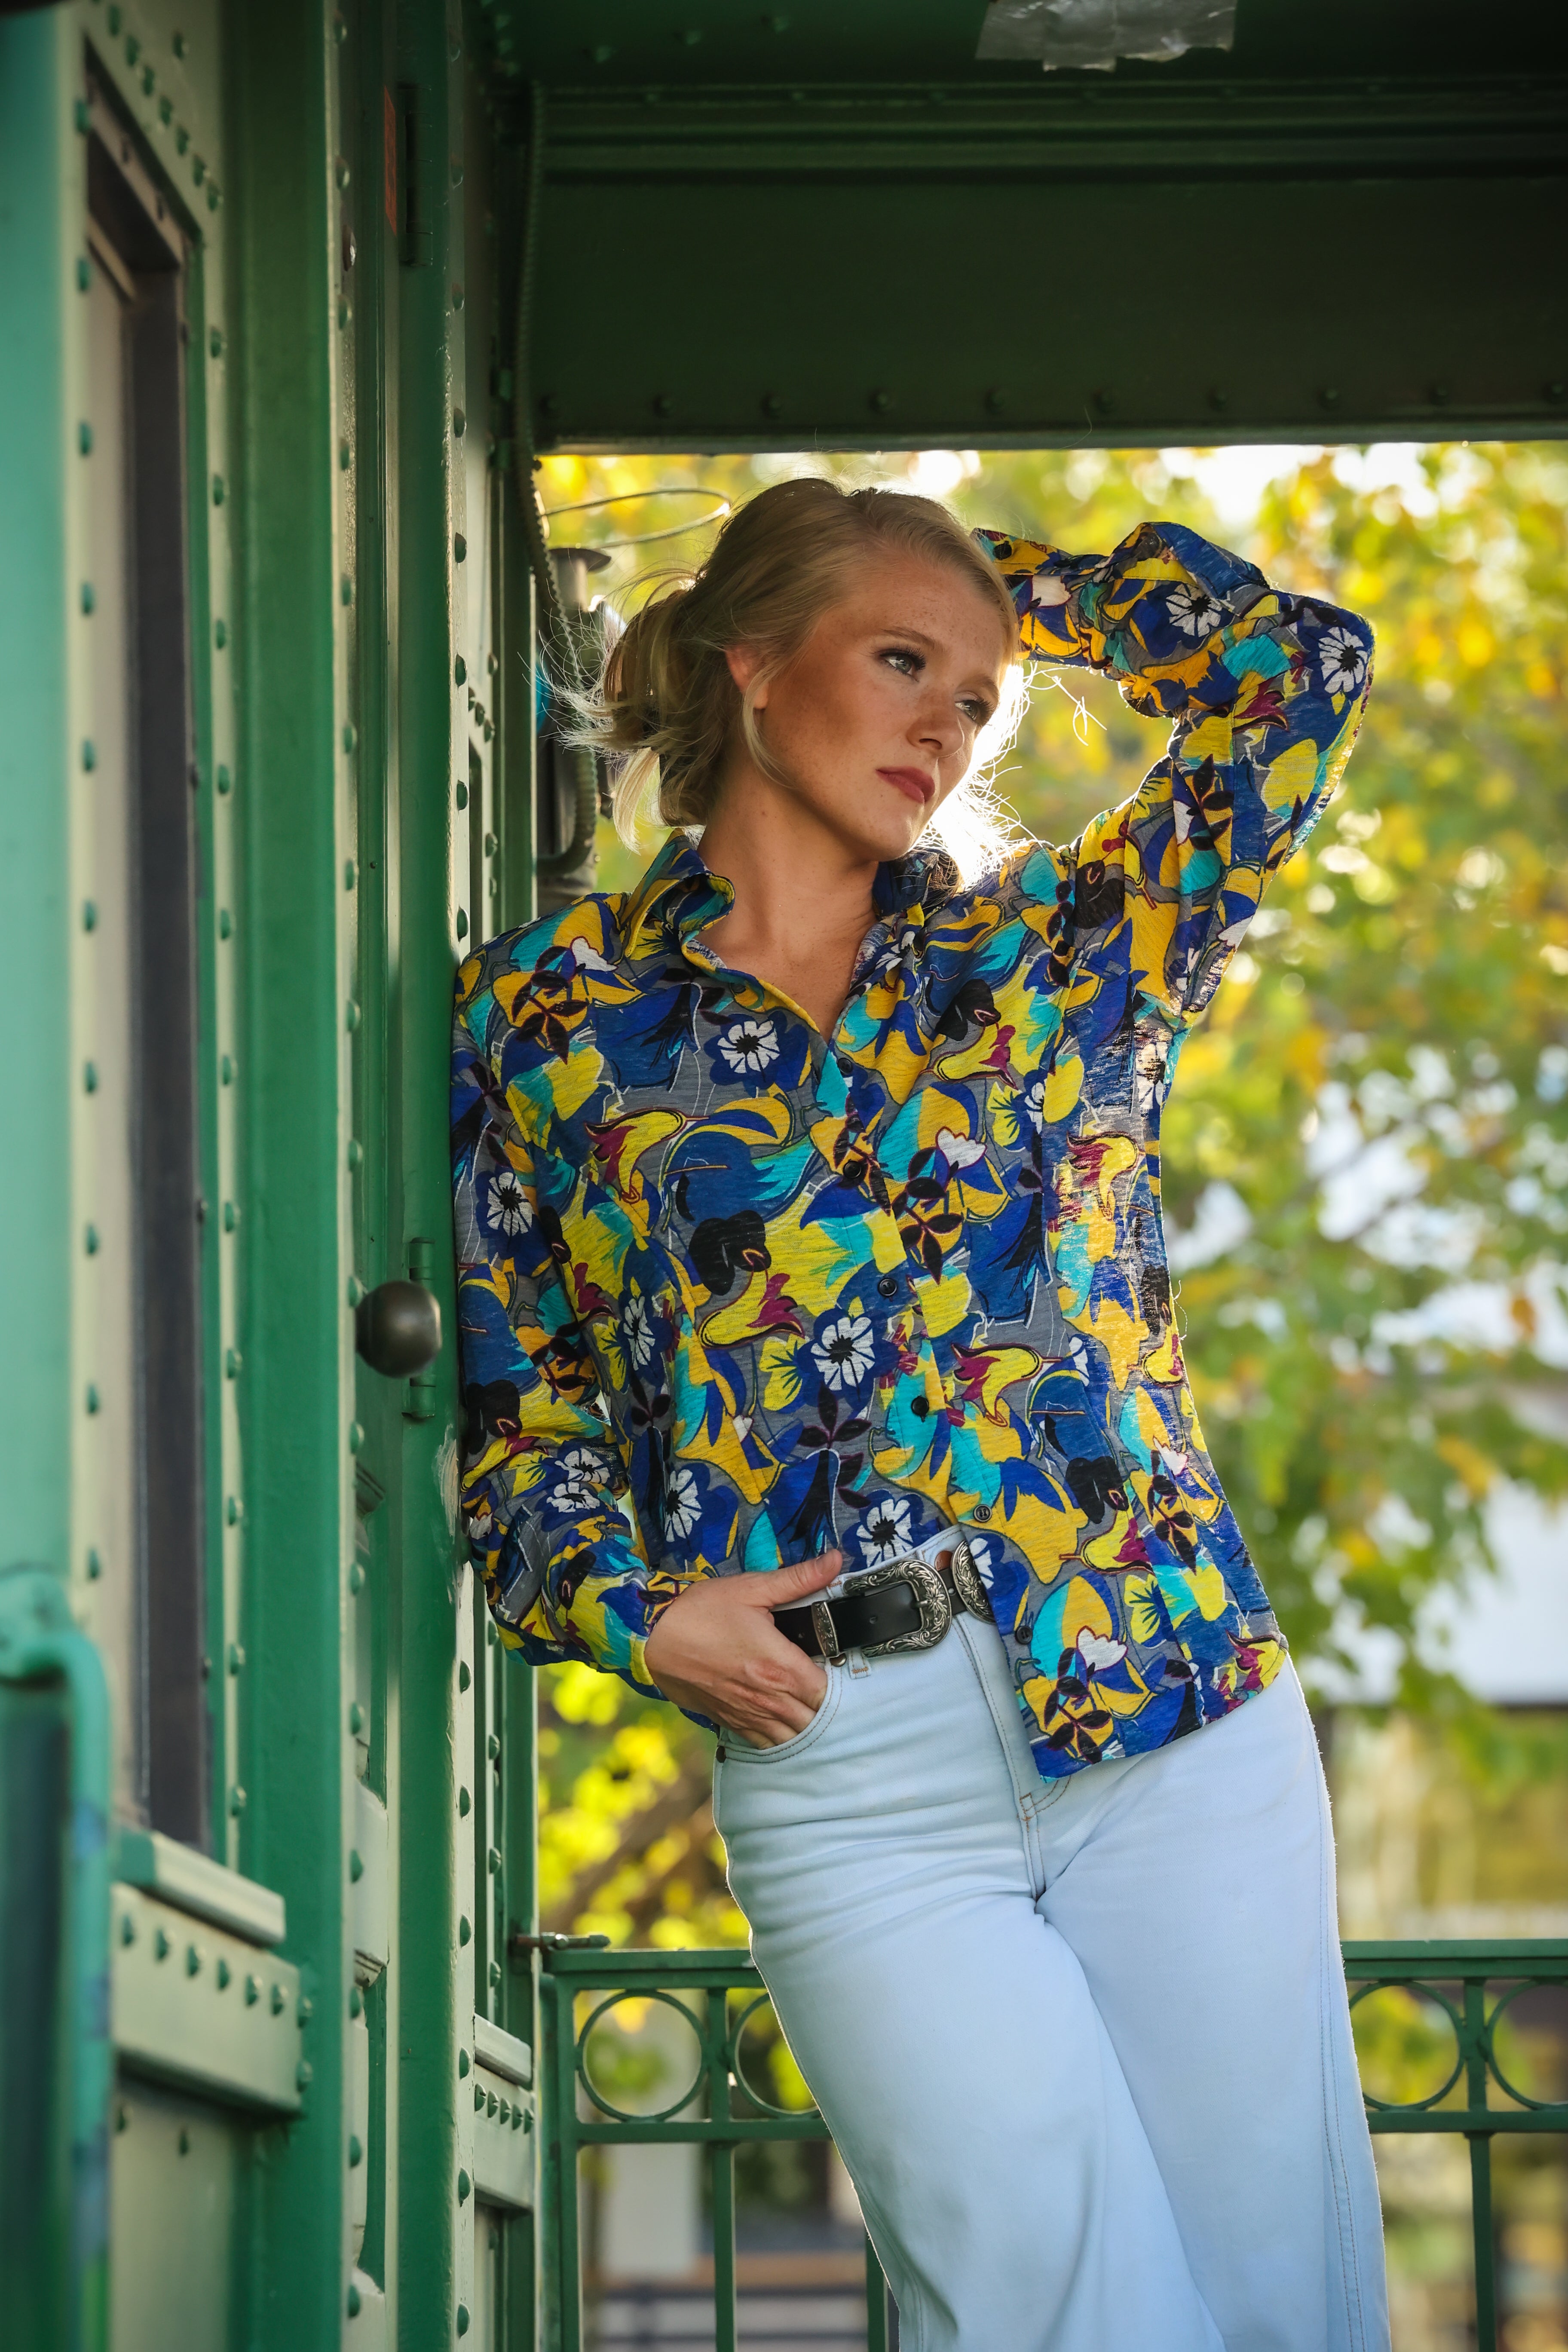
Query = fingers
x=777 y=1587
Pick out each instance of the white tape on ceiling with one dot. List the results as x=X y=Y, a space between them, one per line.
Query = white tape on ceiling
x=1098 y=31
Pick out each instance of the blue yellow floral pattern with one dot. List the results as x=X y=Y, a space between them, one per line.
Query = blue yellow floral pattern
x=731 y=1292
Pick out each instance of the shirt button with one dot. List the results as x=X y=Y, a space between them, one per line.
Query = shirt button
x=981 y=1512
x=889 y=1286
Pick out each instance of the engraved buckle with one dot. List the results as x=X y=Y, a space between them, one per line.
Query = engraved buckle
x=931 y=1599
x=967 y=1582
x=826 y=1633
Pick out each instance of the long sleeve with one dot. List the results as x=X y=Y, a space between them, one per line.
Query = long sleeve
x=1265 y=692
x=564 y=1569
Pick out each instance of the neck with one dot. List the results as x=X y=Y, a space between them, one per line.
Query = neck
x=803 y=896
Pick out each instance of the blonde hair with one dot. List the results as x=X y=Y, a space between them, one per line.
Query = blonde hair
x=665 y=706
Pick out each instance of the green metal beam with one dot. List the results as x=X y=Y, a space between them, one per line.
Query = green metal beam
x=1083 y=260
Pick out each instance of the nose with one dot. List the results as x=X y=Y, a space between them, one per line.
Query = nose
x=939 y=728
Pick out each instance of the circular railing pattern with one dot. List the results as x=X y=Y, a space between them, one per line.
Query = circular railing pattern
x=1474 y=2036
x=652 y=2115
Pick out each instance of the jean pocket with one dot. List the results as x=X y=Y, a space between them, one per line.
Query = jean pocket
x=736 y=1750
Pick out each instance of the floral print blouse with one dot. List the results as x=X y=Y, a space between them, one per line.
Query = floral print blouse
x=731 y=1292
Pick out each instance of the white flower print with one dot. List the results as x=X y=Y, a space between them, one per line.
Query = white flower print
x=511 y=1207
x=638 y=1326
x=1343 y=657
x=583 y=1474
x=959 y=1150
x=749 y=1047
x=843 y=1350
x=1034 y=1102
x=1098 y=1654
x=682 y=1509
x=1194 y=610
x=885 y=1531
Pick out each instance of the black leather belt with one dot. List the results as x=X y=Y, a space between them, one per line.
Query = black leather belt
x=908 y=1606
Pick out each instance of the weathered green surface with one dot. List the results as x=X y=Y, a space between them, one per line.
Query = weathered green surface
x=195 y=2005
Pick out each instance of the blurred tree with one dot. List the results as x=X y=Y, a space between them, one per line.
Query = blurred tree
x=1366 y=1160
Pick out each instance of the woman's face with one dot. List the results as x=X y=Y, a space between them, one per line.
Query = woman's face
x=874 y=722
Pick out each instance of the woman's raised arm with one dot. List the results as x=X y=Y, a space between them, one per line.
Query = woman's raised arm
x=1265 y=691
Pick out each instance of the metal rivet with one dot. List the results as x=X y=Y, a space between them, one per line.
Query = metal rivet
x=459 y=423
x=356 y=2001
x=457 y=297
x=94 y=1566
x=457 y=172
x=89 y=597
x=226 y=1070
x=462 y=2063
x=345 y=590
x=304 y=2073
x=88 y=754
x=662 y=404
x=161 y=1947
x=182 y=45
x=356 y=1716
x=1556 y=389
x=341 y=171
x=182 y=139
x=236 y=1801
x=356 y=1865
x=881 y=401
x=236 y=1657
x=464 y=1932
x=350 y=873
x=492 y=1860
x=356 y=2153
x=461 y=795
x=459 y=548
x=230 y=1217
x=165 y=111
x=83 y=274
x=199 y=169
x=351 y=1016
x=462 y=925
x=223 y=1973
x=225 y=923
x=479 y=2098
x=356 y=1577
x=345 y=312
x=344 y=457
x=353 y=2301
x=1105 y=400
x=278 y=2002
x=220 y=635
x=224 y=781
x=772 y=404
x=233 y=1363
x=193 y=1958
x=128 y=1928
x=521 y=2115
x=1329 y=397
x=464 y=2187
x=491 y=2104
x=355 y=1290
x=184 y=2141
x=132 y=50
x=465 y=1801
x=504 y=2112
x=493 y=1746
x=90 y=1240
x=495 y=1972
x=356 y=1437
x=252 y=1991
x=88 y=915
x=89 y=1077
x=84 y=438
x=464 y=1676
x=81 y=114
x=351 y=738
x=355 y=1152
x=220 y=489
x=460 y=670
x=214 y=342
x=92 y=1400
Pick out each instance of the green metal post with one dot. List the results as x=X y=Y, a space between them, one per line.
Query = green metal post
x=1481 y=2225
x=722 y=2176
x=878 y=2334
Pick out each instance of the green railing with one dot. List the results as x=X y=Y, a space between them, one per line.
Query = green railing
x=1471 y=1985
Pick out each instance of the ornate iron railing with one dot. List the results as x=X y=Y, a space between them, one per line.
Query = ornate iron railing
x=1470 y=1984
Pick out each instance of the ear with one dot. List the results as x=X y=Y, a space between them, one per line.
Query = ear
x=744 y=662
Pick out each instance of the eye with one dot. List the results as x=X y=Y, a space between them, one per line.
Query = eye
x=978 y=712
x=904 y=659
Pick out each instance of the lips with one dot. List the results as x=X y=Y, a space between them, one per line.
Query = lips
x=913 y=782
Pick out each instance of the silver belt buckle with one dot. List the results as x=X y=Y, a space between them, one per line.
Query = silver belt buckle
x=931 y=1599
x=827 y=1639
x=966 y=1581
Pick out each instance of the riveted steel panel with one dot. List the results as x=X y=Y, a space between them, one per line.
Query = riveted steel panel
x=195 y=2005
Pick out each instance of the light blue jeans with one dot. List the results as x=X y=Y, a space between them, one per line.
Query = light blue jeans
x=1084 y=2045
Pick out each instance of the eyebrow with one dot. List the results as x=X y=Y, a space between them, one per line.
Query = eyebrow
x=919 y=638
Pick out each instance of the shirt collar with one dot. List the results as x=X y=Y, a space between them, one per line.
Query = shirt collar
x=677 y=895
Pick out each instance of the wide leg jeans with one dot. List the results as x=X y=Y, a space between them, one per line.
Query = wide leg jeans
x=1084 y=2045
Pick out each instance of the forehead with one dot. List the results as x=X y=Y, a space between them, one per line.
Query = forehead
x=937 y=602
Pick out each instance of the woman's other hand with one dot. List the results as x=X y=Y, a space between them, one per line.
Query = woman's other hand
x=717 y=1652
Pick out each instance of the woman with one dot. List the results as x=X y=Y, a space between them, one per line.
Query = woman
x=808 y=1225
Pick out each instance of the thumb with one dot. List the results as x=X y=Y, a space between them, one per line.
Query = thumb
x=776 y=1587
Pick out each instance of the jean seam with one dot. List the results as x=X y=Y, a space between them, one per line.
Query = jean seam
x=742 y=1752
x=1333 y=2125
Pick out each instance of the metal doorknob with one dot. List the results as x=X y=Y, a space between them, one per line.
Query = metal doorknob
x=398 y=1328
